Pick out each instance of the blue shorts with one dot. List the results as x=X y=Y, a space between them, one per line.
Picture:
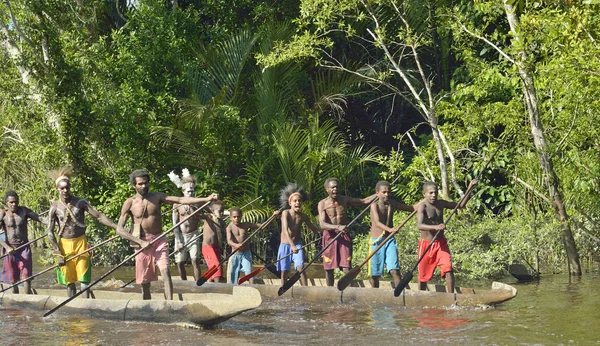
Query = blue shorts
x=286 y=263
x=387 y=255
x=239 y=261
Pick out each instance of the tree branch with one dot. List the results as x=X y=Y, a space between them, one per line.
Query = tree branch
x=506 y=56
x=452 y=163
x=421 y=154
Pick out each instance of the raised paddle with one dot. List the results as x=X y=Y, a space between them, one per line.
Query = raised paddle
x=22 y=246
x=270 y=265
x=346 y=280
x=406 y=279
x=56 y=265
x=214 y=268
x=66 y=301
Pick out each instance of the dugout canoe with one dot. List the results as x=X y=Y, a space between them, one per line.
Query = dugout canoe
x=204 y=309
x=362 y=293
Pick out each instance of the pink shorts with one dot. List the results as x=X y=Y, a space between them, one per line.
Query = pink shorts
x=147 y=260
x=438 y=255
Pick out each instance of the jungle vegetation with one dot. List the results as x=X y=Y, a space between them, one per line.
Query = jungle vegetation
x=251 y=95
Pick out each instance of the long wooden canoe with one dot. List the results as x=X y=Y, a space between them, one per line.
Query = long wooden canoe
x=205 y=309
x=362 y=293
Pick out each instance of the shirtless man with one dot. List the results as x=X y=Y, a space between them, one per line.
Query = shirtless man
x=212 y=233
x=382 y=224
x=430 y=220
x=69 y=213
x=144 y=209
x=187 y=231
x=333 y=219
x=237 y=233
x=13 y=220
x=291 y=197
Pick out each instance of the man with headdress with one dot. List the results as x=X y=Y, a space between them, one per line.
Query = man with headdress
x=186 y=234
x=292 y=218
x=69 y=213
x=18 y=262
x=144 y=209
x=333 y=219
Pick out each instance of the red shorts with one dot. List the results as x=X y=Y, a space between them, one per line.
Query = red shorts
x=438 y=255
x=212 y=256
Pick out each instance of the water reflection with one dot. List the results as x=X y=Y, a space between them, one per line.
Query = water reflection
x=553 y=311
x=382 y=318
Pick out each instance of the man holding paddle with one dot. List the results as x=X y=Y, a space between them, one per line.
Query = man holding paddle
x=69 y=213
x=333 y=219
x=17 y=263
x=382 y=219
x=430 y=221
x=144 y=209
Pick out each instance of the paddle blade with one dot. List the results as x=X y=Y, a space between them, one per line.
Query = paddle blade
x=273 y=270
x=251 y=275
x=403 y=283
x=201 y=281
x=347 y=279
x=288 y=284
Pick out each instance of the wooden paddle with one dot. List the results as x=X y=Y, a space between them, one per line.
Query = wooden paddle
x=67 y=260
x=22 y=246
x=346 y=280
x=406 y=279
x=66 y=301
x=270 y=265
x=214 y=268
x=294 y=278
x=408 y=276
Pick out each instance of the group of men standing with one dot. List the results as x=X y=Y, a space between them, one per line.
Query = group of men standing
x=66 y=233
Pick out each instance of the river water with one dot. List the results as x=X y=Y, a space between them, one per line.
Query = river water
x=555 y=310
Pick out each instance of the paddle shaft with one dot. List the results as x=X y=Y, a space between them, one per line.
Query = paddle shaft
x=124 y=261
x=22 y=246
x=67 y=260
x=212 y=270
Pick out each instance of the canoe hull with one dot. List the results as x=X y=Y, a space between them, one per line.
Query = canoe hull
x=436 y=295
x=205 y=309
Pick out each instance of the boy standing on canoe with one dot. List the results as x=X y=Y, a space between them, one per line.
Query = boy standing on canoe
x=214 y=227
x=144 y=209
x=332 y=220
x=382 y=220
x=291 y=197
x=69 y=213
x=17 y=263
x=237 y=233
x=188 y=230
x=430 y=221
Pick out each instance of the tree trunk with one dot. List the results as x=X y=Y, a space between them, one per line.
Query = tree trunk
x=539 y=140
x=441 y=156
